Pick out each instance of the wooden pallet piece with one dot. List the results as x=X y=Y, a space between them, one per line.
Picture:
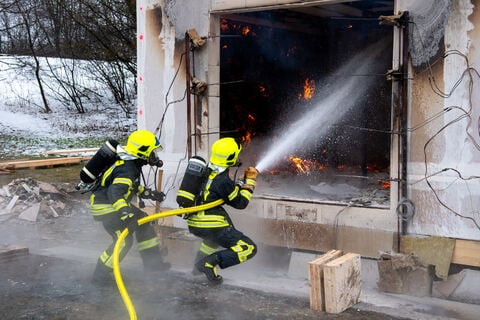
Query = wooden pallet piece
x=466 y=252
x=10 y=251
x=9 y=165
x=68 y=151
x=342 y=279
x=315 y=271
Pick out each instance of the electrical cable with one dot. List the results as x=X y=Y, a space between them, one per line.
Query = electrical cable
x=470 y=72
x=159 y=127
x=405 y=209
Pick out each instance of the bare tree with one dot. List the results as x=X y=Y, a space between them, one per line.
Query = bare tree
x=27 y=12
x=99 y=31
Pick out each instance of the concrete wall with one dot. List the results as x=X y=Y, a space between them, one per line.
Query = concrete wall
x=162 y=82
x=444 y=146
x=162 y=26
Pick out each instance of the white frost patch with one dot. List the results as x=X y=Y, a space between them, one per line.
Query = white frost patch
x=18 y=123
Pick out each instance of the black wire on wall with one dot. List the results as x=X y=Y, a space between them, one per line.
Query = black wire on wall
x=470 y=74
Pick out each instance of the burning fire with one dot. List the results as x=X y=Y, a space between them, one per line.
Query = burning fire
x=301 y=166
x=385 y=184
x=235 y=28
x=308 y=89
x=306 y=166
x=246 y=139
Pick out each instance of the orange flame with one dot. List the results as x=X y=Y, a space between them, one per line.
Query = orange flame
x=308 y=89
x=246 y=139
x=385 y=184
x=301 y=165
x=245 y=31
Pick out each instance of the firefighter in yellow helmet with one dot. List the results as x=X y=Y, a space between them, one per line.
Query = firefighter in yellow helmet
x=110 y=203
x=222 y=244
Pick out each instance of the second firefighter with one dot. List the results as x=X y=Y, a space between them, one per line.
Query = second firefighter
x=223 y=245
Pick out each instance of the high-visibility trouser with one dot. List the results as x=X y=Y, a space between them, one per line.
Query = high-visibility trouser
x=144 y=234
x=238 y=248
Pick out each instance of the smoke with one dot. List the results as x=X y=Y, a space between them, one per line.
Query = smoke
x=334 y=102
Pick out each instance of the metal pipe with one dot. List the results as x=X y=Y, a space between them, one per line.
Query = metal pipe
x=404 y=114
x=188 y=95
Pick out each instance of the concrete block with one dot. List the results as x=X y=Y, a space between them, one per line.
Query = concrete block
x=468 y=289
x=31 y=213
x=404 y=274
x=444 y=289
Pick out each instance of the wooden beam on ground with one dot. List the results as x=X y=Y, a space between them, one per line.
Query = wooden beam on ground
x=466 y=252
x=315 y=269
x=9 y=165
x=9 y=251
x=343 y=281
x=68 y=151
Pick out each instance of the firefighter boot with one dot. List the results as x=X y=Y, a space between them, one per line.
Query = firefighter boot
x=152 y=261
x=200 y=255
x=208 y=266
x=103 y=275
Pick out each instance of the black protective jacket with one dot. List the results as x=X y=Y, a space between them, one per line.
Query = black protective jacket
x=219 y=186
x=116 y=188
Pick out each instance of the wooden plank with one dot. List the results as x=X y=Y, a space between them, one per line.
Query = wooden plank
x=68 y=151
x=41 y=163
x=466 y=252
x=9 y=251
x=315 y=269
x=342 y=279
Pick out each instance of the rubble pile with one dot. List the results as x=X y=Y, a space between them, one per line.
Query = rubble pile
x=28 y=199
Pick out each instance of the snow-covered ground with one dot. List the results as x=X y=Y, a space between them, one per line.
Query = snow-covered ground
x=26 y=130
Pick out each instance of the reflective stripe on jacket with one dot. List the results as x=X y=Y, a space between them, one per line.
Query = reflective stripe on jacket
x=117 y=186
x=219 y=186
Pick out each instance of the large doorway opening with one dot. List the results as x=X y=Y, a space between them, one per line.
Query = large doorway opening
x=306 y=91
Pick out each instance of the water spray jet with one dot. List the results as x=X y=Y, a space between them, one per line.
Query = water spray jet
x=334 y=104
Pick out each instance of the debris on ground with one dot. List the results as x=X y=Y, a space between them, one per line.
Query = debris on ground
x=28 y=199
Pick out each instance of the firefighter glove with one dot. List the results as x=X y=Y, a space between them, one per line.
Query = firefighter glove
x=251 y=173
x=250 y=178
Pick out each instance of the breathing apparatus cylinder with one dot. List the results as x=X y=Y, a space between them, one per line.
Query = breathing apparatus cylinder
x=193 y=182
x=103 y=159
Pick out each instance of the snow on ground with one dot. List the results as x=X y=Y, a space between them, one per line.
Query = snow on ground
x=18 y=123
x=26 y=130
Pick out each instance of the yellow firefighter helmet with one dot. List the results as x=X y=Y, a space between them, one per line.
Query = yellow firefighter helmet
x=225 y=152
x=141 y=143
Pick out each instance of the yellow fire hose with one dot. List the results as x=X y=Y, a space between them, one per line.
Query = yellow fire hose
x=121 y=238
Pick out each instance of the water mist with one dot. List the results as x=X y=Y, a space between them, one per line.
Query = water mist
x=334 y=104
